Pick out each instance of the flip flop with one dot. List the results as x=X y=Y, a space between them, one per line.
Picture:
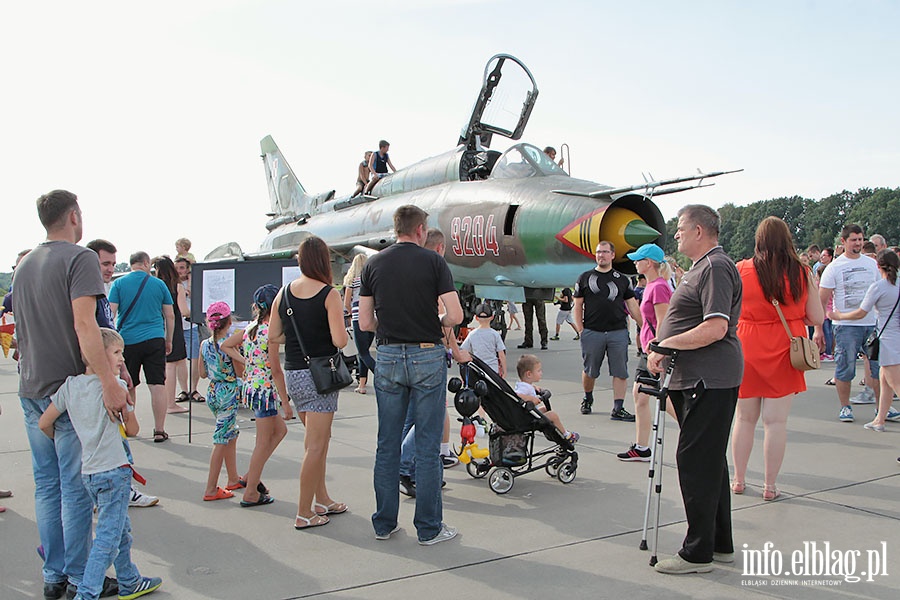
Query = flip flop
x=263 y=500
x=360 y=391
x=196 y=397
x=320 y=520
x=219 y=495
x=241 y=484
x=182 y=397
x=159 y=436
x=5 y=494
x=262 y=489
x=176 y=410
x=335 y=508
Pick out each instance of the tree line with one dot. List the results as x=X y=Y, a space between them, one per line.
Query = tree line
x=811 y=221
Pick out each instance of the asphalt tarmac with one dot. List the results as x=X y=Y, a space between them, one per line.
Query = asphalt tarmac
x=835 y=531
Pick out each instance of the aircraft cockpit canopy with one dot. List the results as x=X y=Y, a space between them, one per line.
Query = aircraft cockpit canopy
x=524 y=160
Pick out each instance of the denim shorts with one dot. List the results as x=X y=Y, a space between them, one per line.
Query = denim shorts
x=262 y=412
x=848 y=341
x=192 y=342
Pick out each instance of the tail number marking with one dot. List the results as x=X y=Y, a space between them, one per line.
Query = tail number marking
x=472 y=236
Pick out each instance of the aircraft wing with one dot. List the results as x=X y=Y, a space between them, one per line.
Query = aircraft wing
x=652 y=187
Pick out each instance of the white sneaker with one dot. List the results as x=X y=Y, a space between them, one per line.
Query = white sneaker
x=893 y=415
x=867 y=396
x=446 y=533
x=142 y=500
x=449 y=461
x=387 y=536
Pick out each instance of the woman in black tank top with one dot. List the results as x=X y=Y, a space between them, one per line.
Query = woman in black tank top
x=319 y=315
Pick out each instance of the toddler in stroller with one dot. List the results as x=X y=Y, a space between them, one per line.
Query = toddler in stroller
x=512 y=435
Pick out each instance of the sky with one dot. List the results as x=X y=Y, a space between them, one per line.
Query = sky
x=152 y=113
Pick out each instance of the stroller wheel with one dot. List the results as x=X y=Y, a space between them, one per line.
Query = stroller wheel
x=552 y=466
x=566 y=473
x=477 y=469
x=501 y=480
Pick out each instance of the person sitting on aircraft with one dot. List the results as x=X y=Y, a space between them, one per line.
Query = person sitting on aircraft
x=362 y=177
x=551 y=152
x=379 y=163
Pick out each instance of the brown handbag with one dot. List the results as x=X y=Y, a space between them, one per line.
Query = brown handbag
x=804 y=353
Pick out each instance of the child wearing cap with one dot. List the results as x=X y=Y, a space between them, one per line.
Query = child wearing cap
x=222 y=400
x=486 y=343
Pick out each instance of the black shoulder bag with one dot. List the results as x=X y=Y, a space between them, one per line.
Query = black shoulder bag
x=329 y=373
x=872 y=345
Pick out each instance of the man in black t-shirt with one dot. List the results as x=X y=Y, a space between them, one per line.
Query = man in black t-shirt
x=398 y=299
x=603 y=300
x=565 y=300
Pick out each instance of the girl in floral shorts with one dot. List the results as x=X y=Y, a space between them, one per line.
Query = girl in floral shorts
x=264 y=392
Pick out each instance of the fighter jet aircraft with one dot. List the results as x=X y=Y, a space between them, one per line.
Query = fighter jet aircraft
x=516 y=224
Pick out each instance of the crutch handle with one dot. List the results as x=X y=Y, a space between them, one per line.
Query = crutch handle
x=655 y=347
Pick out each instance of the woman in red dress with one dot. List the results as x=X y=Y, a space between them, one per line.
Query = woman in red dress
x=770 y=381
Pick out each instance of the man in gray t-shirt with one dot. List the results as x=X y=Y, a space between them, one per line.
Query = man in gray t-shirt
x=57 y=285
x=701 y=324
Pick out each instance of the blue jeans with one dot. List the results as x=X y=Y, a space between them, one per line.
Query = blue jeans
x=110 y=491
x=408 y=377
x=61 y=504
x=364 y=341
x=828 y=330
x=408 y=447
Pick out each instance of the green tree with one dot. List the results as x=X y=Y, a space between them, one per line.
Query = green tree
x=877 y=211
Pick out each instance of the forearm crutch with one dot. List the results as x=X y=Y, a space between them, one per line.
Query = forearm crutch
x=654 y=476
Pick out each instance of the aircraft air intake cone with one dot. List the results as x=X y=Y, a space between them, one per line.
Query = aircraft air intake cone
x=638 y=233
x=626 y=230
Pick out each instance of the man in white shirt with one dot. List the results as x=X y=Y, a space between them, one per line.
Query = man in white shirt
x=845 y=280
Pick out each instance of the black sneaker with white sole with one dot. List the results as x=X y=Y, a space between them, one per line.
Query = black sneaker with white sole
x=407 y=486
x=621 y=415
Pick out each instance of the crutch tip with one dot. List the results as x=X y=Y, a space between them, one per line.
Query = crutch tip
x=643 y=545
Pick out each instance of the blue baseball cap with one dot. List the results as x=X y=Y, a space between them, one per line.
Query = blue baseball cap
x=651 y=251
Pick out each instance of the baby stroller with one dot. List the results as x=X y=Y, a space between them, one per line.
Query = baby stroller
x=512 y=435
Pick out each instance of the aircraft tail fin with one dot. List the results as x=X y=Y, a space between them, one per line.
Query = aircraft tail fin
x=287 y=196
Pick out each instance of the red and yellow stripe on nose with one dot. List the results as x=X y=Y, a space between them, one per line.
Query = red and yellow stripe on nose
x=621 y=226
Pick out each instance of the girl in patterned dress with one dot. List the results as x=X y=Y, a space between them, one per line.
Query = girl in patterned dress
x=222 y=400
x=264 y=392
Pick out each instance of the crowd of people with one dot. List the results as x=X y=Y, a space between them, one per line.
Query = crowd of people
x=82 y=335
